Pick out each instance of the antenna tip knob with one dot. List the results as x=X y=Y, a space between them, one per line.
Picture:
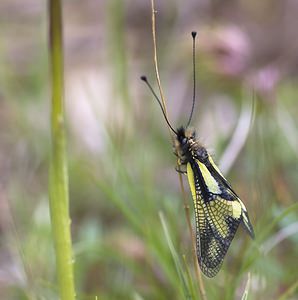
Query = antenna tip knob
x=193 y=34
x=144 y=78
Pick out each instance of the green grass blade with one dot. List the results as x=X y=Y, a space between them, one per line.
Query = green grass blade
x=58 y=177
x=247 y=286
x=254 y=251
x=189 y=278
x=290 y=291
x=173 y=251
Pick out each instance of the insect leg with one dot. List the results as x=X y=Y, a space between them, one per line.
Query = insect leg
x=178 y=169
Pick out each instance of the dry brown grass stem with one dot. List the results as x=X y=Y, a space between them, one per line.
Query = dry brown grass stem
x=193 y=241
x=185 y=202
x=155 y=58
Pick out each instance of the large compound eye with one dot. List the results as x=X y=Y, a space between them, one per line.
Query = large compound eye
x=184 y=141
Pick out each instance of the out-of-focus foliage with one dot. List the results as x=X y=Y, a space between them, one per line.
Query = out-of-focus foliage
x=128 y=222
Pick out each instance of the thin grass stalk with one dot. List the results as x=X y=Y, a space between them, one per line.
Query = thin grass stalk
x=289 y=292
x=186 y=206
x=178 y=266
x=193 y=241
x=163 y=100
x=189 y=277
x=247 y=287
x=58 y=176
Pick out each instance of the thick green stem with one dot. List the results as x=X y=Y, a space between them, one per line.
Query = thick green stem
x=58 y=177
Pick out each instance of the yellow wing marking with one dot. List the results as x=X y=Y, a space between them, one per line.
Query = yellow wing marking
x=245 y=219
x=214 y=165
x=218 y=213
x=237 y=209
x=218 y=209
x=191 y=181
x=237 y=204
x=211 y=183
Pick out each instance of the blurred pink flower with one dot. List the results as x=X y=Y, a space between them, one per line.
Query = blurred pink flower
x=230 y=50
x=264 y=80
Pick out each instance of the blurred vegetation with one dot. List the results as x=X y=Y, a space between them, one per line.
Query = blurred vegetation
x=58 y=166
x=129 y=231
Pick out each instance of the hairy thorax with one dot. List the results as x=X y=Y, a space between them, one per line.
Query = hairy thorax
x=187 y=148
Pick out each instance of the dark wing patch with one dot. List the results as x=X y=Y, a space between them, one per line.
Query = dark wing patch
x=220 y=228
x=216 y=221
x=228 y=192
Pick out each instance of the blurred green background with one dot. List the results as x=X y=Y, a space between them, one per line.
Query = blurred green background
x=121 y=166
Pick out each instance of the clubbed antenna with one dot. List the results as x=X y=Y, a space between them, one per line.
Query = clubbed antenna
x=144 y=78
x=193 y=34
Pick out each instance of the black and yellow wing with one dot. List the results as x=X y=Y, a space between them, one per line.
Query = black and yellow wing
x=218 y=213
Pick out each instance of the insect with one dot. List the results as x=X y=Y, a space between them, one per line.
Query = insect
x=218 y=209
